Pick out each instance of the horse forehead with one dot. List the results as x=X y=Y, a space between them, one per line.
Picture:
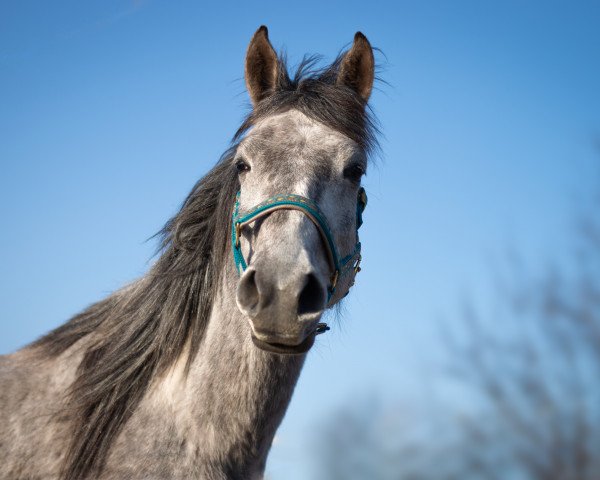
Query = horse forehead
x=292 y=139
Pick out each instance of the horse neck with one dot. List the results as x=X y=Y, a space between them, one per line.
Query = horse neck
x=234 y=394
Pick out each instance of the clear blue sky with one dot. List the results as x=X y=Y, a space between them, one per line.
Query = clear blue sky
x=110 y=111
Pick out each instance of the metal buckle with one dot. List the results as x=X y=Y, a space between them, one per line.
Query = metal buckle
x=357 y=264
x=321 y=328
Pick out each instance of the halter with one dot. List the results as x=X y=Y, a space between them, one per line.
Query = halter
x=339 y=266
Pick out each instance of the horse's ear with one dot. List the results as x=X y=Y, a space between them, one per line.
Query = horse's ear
x=261 y=66
x=357 y=69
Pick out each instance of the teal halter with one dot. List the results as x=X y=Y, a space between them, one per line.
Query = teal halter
x=339 y=266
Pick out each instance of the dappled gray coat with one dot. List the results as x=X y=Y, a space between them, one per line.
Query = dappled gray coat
x=188 y=371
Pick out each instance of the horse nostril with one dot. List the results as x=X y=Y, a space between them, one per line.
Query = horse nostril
x=312 y=297
x=247 y=293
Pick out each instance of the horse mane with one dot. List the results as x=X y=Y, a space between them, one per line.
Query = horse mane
x=144 y=328
x=140 y=331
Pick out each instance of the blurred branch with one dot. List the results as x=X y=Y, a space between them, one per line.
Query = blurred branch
x=532 y=372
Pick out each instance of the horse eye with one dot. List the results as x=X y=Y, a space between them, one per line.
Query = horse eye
x=242 y=166
x=354 y=172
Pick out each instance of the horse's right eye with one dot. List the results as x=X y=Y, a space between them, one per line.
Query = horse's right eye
x=242 y=166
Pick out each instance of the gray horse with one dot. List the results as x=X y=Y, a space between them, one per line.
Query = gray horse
x=188 y=371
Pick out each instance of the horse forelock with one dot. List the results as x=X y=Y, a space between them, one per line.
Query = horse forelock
x=315 y=92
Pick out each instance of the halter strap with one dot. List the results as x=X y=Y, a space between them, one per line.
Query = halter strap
x=339 y=266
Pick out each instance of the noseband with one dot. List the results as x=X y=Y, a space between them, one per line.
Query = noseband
x=340 y=266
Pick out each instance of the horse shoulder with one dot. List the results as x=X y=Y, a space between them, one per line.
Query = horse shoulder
x=34 y=434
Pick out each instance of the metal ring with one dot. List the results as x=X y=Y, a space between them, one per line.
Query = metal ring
x=334 y=279
x=237 y=234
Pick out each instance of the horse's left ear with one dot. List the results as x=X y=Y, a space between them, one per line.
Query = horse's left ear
x=261 y=66
x=357 y=69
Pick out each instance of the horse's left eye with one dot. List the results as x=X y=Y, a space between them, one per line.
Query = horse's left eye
x=354 y=172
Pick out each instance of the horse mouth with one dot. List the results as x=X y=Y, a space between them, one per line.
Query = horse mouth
x=284 y=349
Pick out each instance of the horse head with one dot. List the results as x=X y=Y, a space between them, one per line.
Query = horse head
x=299 y=206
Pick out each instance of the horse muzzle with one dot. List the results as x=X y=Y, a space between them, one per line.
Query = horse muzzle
x=284 y=313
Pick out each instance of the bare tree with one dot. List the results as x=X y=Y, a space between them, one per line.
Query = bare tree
x=532 y=373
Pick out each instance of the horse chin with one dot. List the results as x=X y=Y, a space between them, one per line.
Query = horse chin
x=284 y=349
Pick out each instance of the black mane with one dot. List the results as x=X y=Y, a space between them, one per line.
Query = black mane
x=138 y=332
x=141 y=330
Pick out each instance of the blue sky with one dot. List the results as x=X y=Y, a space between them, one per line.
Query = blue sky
x=111 y=110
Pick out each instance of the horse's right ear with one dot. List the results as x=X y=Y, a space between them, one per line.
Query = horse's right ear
x=261 y=66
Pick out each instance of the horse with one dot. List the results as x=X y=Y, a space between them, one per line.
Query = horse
x=187 y=372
